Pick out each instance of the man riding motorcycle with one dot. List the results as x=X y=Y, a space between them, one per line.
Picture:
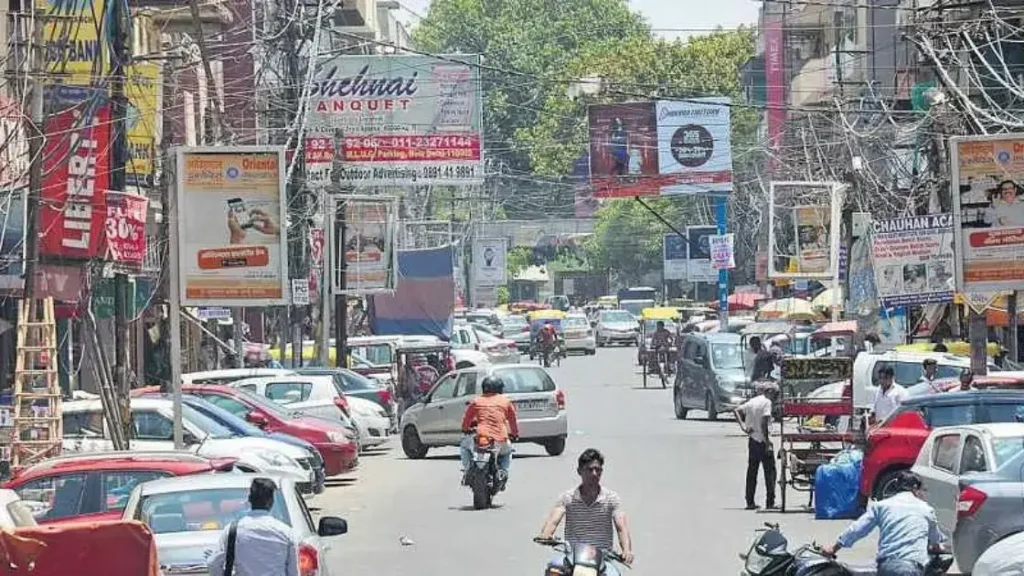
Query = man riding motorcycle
x=494 y=417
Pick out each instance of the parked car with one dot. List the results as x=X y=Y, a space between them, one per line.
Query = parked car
x=318 y=396
x=893 y=445
x=153 y=430
x=498 y=350
x=15 y=513
x=616 y=327
x=974 y=478
x=88 y=487
x=339 y=452
x=578 y=335
x=188 y=517
x=1004 y=558
x=437 y=420
x=710 y=374
x=228 y=375
x=355 y=385
x=516 y=329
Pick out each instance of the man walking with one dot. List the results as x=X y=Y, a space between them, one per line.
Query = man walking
x=754 y=417
x=889 y=395
x=256 y=544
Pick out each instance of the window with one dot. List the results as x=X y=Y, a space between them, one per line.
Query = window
x=118 y=486
x=61 y=495
x=306 y=515
x=525 y=380
x=21 y=514
x=944 y=371
x=945 y=451
x=83 y=424
x=575 y=323
x=973 y=457
x=353 y=381
x=288 y=392
x=230 y=404
x=248 y=388
x=466 y=384
x=1005 y=449
x=616 y=316
x=939 y=416
x=727 y=356
x=444 y=390
x=201 y=510
x=688 y=349
x=150 y=425
x=700 y=352
x=1001 y=413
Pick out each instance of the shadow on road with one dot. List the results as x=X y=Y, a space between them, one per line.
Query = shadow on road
x=469 y=508
x=515 y=456
x=373 y=452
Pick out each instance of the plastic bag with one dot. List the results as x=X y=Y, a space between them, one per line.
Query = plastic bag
x=837 y=486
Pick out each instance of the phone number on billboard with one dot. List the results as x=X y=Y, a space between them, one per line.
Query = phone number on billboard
x=413 y=173
x=411 y=142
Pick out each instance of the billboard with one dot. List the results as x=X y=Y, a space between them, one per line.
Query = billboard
x=369 y=244
x=913 y=260
x=988 y=211
x=72 y=46
x=674 y=257
x=424 y=297
x=126 y=227
x=231 y=213
x=76 y=171
x=660 y=148
x=143 y=90
x=699 y=267
x=403 y=119
x=489 y=261
x=812 y=225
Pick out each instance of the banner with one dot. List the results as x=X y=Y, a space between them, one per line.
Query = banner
x=812 y=225
x=699 y=266
x=663 y=147
x=913 y=260
x=674 y=257
x=424 y=297
x=722 y=257
x=584 y=203
x=489 y=261
x=73 y=51
x=775 y=85
x=233 y=250
x=76 y=171
x=143 y=89
x=369 y=244
x=988 y=212
x=406 y=120
x=126 y=227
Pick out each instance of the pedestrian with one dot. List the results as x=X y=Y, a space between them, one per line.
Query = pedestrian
x=889 y=395
x=755 y=417
x=931 y=372
x=256 y=544
x=967 y=380
x=762 y=364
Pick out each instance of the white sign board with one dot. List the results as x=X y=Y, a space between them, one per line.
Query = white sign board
x=489 y=261
x=300 y=291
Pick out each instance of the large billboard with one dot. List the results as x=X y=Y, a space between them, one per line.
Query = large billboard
x=231 y=214
x=72 y=46
x=913 y=260
x=402 y=120
x=674 y=257
x=699 y=268
x=369 y=244
x=988 y=211
x=143 y=89
x=660 y=148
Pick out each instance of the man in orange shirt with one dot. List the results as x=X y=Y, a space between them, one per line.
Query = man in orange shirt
x=494 y=417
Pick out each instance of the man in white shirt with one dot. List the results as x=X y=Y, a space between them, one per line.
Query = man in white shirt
x=931 y=372
x=754 y=417
x=256 y=544
x=889 y=395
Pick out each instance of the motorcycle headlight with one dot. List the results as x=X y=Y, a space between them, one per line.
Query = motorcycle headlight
x=277 y=459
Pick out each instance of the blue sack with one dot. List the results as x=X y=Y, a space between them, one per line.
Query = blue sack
x=837 y=486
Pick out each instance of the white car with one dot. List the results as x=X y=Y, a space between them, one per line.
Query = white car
x=578 y=335
x=319 y=396
x=153 y=430
x=616 y=327
x=187 y=517
x=15 y=512
x=228 y=375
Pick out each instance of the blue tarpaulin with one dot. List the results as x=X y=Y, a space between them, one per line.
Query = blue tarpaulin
x=837 y=486
x=424 y=298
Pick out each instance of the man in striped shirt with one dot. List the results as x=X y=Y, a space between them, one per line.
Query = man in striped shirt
x=591 y=512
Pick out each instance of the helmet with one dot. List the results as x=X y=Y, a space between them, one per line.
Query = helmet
x=492 y=385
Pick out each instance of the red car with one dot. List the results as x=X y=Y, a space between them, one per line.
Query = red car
x=339 y=452
x=95 y=486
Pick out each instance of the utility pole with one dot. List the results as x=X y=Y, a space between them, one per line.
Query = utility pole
x=37 y=74
x=340 y=300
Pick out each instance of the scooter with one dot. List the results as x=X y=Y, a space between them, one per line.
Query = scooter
x=769 y=555
x=483 y=475
x=579 y=560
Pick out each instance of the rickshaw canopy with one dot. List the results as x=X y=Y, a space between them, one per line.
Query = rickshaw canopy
x=545 y=315
x=660 y=313
x=835 y=329
x=768 y=329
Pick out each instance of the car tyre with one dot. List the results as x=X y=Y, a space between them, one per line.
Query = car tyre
x=600 y=343
x=411 y=444
x=677 y=402
x=709 y=407
x=885 y=485
x=591 y=352
x=555 y=446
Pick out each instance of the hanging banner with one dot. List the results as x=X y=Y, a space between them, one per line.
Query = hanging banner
x=143 y=89
x=76 y=171
x=231 y=205
x=674 y=257
x=126 y=227
x=812 y=225
x=699 y=266
x=369 y=244
x=988 y=211
x=489 y=261
x=913 y=260
x=722 y=257
x=407 y=120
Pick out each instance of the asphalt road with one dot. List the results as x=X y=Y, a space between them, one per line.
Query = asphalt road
x=681 y=483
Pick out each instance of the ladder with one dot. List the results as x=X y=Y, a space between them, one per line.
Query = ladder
x=37 y=432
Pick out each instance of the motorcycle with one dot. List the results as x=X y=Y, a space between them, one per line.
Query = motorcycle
x=579 y=560
x=769 y=556
x=483 y=475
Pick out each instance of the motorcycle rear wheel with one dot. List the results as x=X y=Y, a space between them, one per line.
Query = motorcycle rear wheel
x=481 y=496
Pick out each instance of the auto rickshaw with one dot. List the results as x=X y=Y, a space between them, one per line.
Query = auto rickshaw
x=651 y=361
x=419 y=365
x=539 y=318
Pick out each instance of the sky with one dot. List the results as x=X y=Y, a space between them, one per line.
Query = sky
x=671 y=18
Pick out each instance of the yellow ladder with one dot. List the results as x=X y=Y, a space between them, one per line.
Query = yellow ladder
x=38 y=430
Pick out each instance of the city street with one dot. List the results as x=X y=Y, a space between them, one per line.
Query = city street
x=681 y=483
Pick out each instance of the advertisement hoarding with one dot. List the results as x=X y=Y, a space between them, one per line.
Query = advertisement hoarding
x=71 y=44
x=722 y=257
x=624 y=149
x=143 y=89
x=489 y=261
x=126 y=228
x=674 y=257
x=988 y=212
x=775 y=85
x=812 y=225
x=369 y=244
x=405 y=119
x=231 y=241
x=913 y=260
x=318 y=155
x=76 y=171
x=699 y=267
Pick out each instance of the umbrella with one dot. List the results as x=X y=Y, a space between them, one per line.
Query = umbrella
x=788 y=309
x=742 y=301
x=824 y=300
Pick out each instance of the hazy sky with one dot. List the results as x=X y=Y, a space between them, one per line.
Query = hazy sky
x=670 y=18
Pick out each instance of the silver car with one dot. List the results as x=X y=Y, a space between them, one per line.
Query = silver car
x=187 y=516
x=517 y=329
x=616 y=327
x=437 y=420
x=974 y=477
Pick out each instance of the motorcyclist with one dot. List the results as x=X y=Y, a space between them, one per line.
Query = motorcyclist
x=907 y=526
x=494 y=417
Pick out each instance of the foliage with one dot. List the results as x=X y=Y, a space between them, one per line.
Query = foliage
x=517 y=260
x=503 y=295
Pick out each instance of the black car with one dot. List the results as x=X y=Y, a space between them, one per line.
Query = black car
x=356 y=385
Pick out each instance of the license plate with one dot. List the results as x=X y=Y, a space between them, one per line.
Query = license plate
x=532 y=404
x=481 y=457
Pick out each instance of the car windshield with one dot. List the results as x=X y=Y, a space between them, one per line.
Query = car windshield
x=201 y=510
x=514 y=322
x=575 y=322
x=205 y=423
x=266 y=404
x=727 y=355
x=525 y=380
x=1006 y=448
x=616 y=316
x=480 y=318
x=485 y=336
x=237 y=425
x=377 y=354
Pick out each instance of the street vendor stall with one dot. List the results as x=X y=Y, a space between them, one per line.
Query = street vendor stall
x=659 y=362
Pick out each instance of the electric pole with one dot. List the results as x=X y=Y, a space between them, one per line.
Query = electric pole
x=37 y=74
